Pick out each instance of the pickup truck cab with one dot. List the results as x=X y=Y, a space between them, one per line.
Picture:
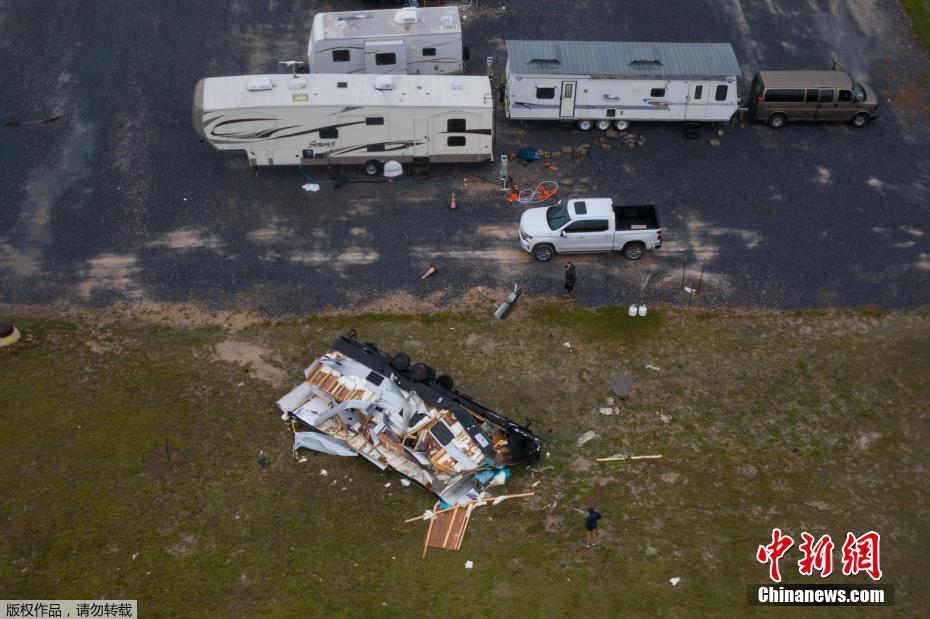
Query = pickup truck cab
x=590 y=225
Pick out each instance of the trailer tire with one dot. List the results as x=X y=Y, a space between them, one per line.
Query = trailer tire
x=372 y=168
x=860 y=120
x=401 y=362
x=418 y=372
x=543 y=252
x=585 y=125
x=634 y=250
x=445 y=381
x=621 y=125
x=603 y=125
x=777 y=121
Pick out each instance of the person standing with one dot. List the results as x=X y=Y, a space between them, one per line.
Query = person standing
x=590 y=525
x=570 y=278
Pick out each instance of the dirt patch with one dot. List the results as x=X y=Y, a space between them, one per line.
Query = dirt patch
x=255 y=358
x=553 y=524
x=183 y=548
x=581 y=464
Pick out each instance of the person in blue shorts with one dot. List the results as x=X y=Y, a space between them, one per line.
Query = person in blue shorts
x=590 y=525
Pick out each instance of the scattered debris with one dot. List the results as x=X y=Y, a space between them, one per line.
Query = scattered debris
x=610 y=401
x=387 y=485
x=675 y=580
x=649 y=366
x=665 y=418
x=508 y=302
x=452 y=204
x=432 y=270
x=587 y=436
x=358 y=400
x=606 y=410
x=567 y=345
x=469 y=565
x=309 y=187
x=536 y=483
x=447 y=525
x=621 y=383
x=618 y=457
x=324 y=473
x=16 y=124
x=714 y=142
x=262 y=460
x=9 y=334
x=405 y=482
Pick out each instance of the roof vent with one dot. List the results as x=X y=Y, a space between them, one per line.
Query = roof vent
x=545 y=61
x=259 y=82
x=458 y=85
x=406 y=16
x=384 y=82
x=297 y=83
x=646 y=63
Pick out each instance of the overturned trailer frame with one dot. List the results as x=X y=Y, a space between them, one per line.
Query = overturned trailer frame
x=359 y=400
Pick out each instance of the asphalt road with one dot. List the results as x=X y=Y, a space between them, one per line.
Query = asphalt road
x=119 y=200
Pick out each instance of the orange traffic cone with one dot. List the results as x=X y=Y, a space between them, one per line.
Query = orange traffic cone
x=432 y=270
x=452 y=204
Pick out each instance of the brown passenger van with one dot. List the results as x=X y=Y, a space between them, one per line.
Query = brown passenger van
x=776 y=97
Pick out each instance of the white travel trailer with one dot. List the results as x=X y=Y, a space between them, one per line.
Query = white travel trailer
x=418 y=41
x=599 y=84
x=343 y=119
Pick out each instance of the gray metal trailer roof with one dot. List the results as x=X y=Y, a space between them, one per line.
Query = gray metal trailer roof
x=623 y=59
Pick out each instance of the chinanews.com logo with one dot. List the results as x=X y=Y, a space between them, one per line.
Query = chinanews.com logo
x=859 y=554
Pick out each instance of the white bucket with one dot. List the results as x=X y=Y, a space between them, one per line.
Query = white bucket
x=642 y=310
x=632 y=310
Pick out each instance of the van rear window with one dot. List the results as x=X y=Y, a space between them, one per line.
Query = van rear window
x=784 y=95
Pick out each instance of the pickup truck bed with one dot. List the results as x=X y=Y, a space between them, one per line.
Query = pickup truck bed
x=637 y=217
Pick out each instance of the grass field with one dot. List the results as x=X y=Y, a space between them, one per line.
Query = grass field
x=812 y=421
x=919 y=12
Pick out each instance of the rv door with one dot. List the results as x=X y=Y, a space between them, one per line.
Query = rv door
x=696 y=109
x=421 y=138
x=567 y=108
x=385 y=57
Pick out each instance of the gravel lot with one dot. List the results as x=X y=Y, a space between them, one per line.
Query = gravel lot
x=119 y=200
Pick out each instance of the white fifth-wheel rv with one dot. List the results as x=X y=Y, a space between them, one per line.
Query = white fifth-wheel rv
x=599 y=84
x=347 y=119
x=417 y=41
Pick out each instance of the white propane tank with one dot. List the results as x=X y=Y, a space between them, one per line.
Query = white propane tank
x=632 y=310
x=642 y=310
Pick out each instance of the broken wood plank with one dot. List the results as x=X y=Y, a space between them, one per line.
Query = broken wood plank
x=617 y=459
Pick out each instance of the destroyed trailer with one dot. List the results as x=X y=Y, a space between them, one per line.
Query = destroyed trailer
x=359 y=400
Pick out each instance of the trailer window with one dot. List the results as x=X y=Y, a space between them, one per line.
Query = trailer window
x=329 y=133
x=429 y=51
x=698 y=92
x=455 y=125
x=545 y=93
x=374 y=120
x=812 y=94
x=721 y=94
x=455 y=140
x=385 y=59
x=611 y=113
x=340 y=55
x=784 y=95
x=657 y=92
x=375 y=148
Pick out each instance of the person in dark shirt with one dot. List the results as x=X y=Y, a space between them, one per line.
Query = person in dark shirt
x=590 y=525
x=570 y=278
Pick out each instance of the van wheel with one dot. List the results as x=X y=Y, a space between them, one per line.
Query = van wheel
x=621 y=125
x=585 y=125
x=603 y=125
x=860 y=120
x=372 y=168
x=543 y=252
x=777 y=121
x=634 y=250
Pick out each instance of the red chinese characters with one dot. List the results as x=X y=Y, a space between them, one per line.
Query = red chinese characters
x=817 y=555
x=773 y=552
x=860 y=554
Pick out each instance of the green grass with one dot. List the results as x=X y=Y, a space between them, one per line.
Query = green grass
x=807 y=421
x=919 y=12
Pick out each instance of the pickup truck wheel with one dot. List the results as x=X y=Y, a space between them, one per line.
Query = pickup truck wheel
x=634 y=250
x=372 y=168
x=621 y=125
x=585 y=125
x=603 y=125
x=543 y=252
x=777 y=121
x=860 y=120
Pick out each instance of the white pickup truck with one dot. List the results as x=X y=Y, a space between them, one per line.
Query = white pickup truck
x=590 y=225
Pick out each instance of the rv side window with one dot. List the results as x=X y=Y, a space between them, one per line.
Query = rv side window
x=784 y=95
x=812 y=94
x=721 y=94
x=657 y=92
x=455 y=140
x=329 y=133
x=374 y=120
x=846 y=96
x=698 y=92
x=385 y=59
x=545 y=93
x=376 y=148
x=429 y=51
x=340 y=55
x=455 y=125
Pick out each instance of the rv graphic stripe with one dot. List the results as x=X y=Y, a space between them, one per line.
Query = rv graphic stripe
x=266 y=134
